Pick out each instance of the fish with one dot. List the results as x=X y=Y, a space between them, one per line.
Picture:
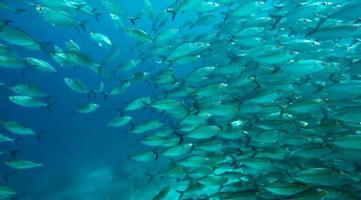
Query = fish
x=224 y=99
x=4 y=138
x=6 y=192
x=27 y=101
x=26 y=89
x=138 y=35
x=101 y=39
x=120 y=87
x=77 y=86
x=162 y=194
x=18 y=37
x=145 y=156
x=22 y=164
x=147 y=126
x=17 y=128
x=59 y=17
x=128 y=65
x=40 y=64
x=12 y=62
x=87 y=108
x=120 y=121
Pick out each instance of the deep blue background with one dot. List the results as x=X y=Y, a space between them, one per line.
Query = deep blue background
x=75 y=145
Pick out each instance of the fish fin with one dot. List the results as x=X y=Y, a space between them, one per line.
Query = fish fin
x=132 y=21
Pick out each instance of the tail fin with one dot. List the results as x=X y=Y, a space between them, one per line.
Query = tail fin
x=173 y=12
x=91 y=94
x=105 y=95
x=82 y=25
x=49 y=106
x=151 y=177
x=100 y=68
x=39 y=135
x=13 y=153
x=96 y=14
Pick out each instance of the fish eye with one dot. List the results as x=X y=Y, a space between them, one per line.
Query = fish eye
x=323 y=63
x=325 y=3
x=235 y=109
x=292 y=53
x=316 y=43
x=178 y=102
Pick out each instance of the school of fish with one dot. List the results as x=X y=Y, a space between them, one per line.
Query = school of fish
x=251 y=99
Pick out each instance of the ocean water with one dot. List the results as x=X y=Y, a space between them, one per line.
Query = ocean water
x=83 y=159
x=264 y=100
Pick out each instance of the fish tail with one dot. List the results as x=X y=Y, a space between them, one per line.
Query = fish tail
x=3 y=84
x=19 y=11
x=17 y=140
x=96 y=14
x=319 y=24
x=151 y=176
x=181 y=193
x=13 y=153
x=49 y=106
x=100 y=68
x=121 y=112
x=156 y=155
x=46 y=46
x=105 y=95
x=91 y=94
x=39 y=135
x=173 y=12
x=132 y=126
x=318 y=88
x=82 y=25
x=181 y=139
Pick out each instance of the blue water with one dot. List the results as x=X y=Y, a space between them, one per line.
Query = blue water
x=82 y=159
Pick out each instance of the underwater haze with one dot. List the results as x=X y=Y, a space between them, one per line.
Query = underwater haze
x=180 y=100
